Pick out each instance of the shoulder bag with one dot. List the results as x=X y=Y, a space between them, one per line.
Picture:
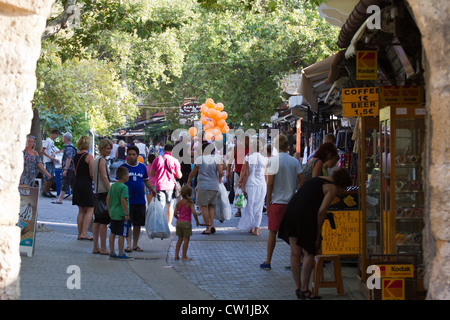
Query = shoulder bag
x=100 y=207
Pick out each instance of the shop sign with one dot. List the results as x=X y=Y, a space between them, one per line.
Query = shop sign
x=360 y=102
x=345 y=238
x=401 y=95
x=396 y=270
x=393 y=289
x=291 y=84
x=366 y=65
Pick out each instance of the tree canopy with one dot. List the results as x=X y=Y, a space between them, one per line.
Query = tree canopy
x=100 y=61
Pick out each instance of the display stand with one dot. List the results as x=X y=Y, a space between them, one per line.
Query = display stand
x=28 y=218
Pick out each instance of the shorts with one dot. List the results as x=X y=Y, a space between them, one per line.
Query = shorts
x=275 y=213
x=67 y=181
x=165 y=196
x=120 y=227
x=50 y=167
x=184 y=229
x=206 y=197
x=137 y=214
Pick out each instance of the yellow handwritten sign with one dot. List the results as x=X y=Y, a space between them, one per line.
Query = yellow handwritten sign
x=360 y=101
x=345 y=238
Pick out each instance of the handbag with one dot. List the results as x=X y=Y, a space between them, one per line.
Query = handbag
x=177 y=189
x=100 y=206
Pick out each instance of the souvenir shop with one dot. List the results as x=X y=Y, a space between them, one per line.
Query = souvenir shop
x=371 y=96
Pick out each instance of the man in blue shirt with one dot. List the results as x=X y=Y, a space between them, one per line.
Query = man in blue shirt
x=138 y=180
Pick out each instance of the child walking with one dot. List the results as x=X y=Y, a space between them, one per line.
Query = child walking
x=117 y=201
x=183 y=213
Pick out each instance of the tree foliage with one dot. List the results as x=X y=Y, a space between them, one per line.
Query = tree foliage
x=161 y=51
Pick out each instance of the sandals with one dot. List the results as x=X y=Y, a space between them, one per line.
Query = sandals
x=306 y=295
x=138 y=249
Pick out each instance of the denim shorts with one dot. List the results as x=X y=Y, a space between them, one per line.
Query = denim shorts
x=165 y=196
x=50 y=167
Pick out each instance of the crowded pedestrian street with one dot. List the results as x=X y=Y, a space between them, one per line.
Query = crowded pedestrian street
x=225 y=266
x=221 y=158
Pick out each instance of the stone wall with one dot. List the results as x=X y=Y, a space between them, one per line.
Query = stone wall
x=432 y=18
x=21 y=23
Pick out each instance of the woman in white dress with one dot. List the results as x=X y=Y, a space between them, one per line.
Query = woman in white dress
x=253 y=182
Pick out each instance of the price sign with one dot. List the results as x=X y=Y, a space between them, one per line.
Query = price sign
x=360 y=101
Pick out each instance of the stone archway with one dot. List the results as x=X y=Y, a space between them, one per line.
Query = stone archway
x=22 y=23
x=432 y=19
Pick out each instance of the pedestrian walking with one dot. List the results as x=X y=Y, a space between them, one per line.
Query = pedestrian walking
x=68 y=173
x=284 y=177
x=210 y=172
x=138 y=180
x=48 y=151
x=183 y=212
x=101 y=187
x=118 y=207
x=236 y=161
x=83 y=195
x=253 y=183
x=302 y=223
x=166 y=169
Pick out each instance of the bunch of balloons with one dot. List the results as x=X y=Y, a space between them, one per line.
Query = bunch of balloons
x=213 y=119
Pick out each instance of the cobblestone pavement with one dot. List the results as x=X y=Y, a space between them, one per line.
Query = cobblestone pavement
x=225 y=266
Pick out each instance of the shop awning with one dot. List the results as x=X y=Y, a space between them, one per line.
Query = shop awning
x=313 y=85
x=336 y=12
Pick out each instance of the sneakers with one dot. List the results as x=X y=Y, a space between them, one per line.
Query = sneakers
x=265 y=266
x=122 y=257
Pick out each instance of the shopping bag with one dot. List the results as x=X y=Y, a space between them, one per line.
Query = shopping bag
x=222 y=210
x=239 y=200
x=156 y=220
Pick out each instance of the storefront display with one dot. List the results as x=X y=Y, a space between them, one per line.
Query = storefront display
x=402 y=133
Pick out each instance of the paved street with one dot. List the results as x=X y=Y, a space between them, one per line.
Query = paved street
x=225 y=266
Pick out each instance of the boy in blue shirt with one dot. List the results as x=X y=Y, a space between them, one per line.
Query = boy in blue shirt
x=117 y=201
x=138 y=180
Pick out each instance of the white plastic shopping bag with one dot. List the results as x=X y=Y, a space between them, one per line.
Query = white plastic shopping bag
x=156 y=220
x=222 y=210
x=239 y=200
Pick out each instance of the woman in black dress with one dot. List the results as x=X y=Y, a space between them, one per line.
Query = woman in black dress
x=302 y=222
x=83 y=195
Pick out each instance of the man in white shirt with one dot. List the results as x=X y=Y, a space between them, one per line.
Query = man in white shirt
x=48 y=151
x=284 y=178
x=143 y=150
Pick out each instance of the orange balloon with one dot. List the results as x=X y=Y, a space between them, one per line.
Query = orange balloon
x=227 y=128
x=219 y=106
x=210 y=105
x=203 y=120
x=212 y=113
x=221 y=123
x=208 y=135
x=218 y=137
x=210 y=100
x=192 y=131
x=209 y=125
x=204 y=108
x=224 y=115
x=216 y=131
